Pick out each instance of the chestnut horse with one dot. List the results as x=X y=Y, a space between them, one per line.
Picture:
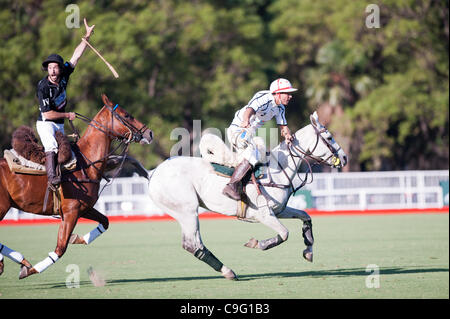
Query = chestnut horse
x=79 y=188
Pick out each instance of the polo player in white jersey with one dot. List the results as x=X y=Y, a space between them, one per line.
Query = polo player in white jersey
x=261 y=108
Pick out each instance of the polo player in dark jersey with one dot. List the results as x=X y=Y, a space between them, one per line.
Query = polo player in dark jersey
x=51 y=93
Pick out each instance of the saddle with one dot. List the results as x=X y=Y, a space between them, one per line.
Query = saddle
x=28 y=157
x=226 y=171
x=224 y=161
x=21 y=165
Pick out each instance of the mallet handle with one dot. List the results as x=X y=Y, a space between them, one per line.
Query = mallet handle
x=116 y=75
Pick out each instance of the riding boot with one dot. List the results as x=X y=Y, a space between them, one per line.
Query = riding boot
x=234 y=189
x=50 y=166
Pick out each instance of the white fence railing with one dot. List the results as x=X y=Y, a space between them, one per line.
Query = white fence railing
x=329 y=191
x=378 y=190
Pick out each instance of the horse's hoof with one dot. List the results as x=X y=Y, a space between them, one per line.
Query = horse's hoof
x=23 y=272
x=75 y=239
x=26 y=263
x=26 y=271
x=252 y=243
x=228 y=273
x=308 y=255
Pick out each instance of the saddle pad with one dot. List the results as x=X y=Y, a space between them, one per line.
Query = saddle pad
x=19 y=164
x=227 y=171
x=223 y=170
x=15 y=164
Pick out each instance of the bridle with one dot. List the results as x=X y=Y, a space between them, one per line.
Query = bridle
x=302 y=156
x=309 y=154
x=133 y=134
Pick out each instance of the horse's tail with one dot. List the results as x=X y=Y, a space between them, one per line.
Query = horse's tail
x=114 y=161
x=139 y=167
x=150 y=174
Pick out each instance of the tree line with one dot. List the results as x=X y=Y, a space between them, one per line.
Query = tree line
x=382 y=91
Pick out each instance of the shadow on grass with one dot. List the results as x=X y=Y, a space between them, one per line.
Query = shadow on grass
x=320 y=273
x=344 y=272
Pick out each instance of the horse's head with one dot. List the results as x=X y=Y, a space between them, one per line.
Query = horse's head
x=124 y=126
x=321 y=145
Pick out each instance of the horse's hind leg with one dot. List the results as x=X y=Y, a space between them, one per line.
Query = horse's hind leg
x=192 y=242
x=88 y=238
x=13 y=255
x=307 y=232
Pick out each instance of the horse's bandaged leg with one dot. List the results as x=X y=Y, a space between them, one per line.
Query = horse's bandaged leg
x=47 y=262
x=11 y=254
x=91 y=236
x=270 y=243
x=206 y=256
x=307 y=233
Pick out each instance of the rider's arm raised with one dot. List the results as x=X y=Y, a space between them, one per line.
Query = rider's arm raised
x=82 y=46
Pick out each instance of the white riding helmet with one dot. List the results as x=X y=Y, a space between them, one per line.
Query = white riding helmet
x=281 y=86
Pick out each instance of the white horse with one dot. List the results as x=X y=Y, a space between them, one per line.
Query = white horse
x=180 y=185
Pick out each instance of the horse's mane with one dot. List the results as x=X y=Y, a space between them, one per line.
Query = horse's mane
x=298 y=134
x=25 y=143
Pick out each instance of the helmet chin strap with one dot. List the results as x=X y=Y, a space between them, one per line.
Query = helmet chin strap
x=278 y=95
x=278 y=99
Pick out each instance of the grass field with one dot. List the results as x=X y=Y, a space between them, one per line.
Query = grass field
x=145 y=260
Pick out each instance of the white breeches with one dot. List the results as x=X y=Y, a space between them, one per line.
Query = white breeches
x=248 y=146
x=46 y=131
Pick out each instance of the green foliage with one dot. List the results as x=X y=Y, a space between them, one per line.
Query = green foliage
x=391 y=82
x=181 y=61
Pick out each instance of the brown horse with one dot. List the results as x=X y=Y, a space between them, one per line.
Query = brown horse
x=79 y=188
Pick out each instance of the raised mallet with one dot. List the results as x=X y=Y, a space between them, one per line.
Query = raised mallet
x=116 y=75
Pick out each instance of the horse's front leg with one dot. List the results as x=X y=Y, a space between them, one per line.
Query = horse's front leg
x=15 y=256
x=307 y=232
x=268 y=218
x=65 y=230
x=88 y=238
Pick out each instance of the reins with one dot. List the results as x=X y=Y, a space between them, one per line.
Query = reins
x=290 y=185
x=306 y=154
x=124 y=140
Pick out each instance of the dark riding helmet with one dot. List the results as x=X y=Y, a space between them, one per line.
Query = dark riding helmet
x=53 y=58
